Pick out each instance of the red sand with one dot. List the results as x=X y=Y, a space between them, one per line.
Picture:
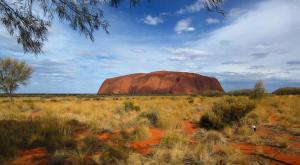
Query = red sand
x=273 y=119
x=144 y=147
x=36 y=156
x=81 y=134
x=296 y=145
x=267 y=132
x=189 y=127
x=34 y=115
x=289 y=158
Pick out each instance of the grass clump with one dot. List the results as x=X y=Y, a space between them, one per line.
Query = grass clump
x=50 y=132
x=151 y=116
x=113 y=155
x=173 y=137
x=140 y=133
x=130 y=106
x=226 y=112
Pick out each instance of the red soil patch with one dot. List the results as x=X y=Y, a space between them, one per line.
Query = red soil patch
x=36 y=156
x=296 y=145
x=189 y=127
x=80 y=134
x=104 y=136
x=273 y=119
x=267 y=132
x=34 y=115
x=289 y=158
x=144 y=147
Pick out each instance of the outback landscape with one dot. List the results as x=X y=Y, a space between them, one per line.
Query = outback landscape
x=185 y=82
x=208 y=128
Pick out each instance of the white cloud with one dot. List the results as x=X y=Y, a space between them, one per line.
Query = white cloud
x=183 y=54
x=212 y=20
x=149 y=20
x=138 y=50
x=183 y=26
x=267 y=31
x=193 y=8
x=235 y=13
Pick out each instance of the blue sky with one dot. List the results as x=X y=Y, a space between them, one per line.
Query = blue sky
x=258 y=39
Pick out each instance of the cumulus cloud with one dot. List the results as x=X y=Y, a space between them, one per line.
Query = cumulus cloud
x=267 y=31
x=183 y=25
x=212 y=20
x=152 y=20
x=193 y=8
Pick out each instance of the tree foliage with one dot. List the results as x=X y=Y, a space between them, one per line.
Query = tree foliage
x=13 y=73
x=259 y=90
x=29 y=20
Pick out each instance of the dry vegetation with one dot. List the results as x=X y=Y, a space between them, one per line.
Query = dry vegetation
x=148 y=129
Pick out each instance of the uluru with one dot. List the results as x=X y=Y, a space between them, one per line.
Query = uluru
x=160 y=82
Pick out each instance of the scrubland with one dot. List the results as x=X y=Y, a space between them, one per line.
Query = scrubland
x=150 y=130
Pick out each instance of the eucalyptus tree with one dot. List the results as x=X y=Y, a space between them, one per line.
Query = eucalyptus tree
x=13 y=74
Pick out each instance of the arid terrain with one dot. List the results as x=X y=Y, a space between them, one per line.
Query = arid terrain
x=146 y=130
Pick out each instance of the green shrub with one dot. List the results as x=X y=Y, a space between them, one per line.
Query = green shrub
x=226 y=112
x=212 y=93
x=287 y=91
x=151 y=116
x=240 y=92
x=212 y=121
x=259 y=90
x=129 y=106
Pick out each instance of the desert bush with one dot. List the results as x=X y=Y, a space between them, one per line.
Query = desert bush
x=151 y=116
x=212 y=93
x=259 y=90
x=226 y=112
x=240 y=92
x=287 y=91
x=113 y=154
x=211 y=120
x=213 y=138
x=190 y=99
x=130 y=106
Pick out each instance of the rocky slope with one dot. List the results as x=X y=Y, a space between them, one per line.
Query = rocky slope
x=161 y=82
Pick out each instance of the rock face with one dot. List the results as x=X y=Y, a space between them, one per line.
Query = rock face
x=161 y=82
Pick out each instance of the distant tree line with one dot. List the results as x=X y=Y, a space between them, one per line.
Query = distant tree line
x=287 y=91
